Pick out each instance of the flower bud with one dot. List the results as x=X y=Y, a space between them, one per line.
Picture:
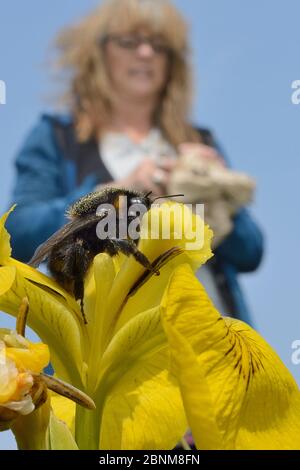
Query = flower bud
x=21 y=390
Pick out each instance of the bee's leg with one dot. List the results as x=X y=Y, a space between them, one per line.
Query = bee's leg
x=158 y=263
x=128 y=247
x=79 y=294
x=77 y=262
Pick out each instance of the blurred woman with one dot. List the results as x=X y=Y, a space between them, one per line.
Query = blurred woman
x=128 y=98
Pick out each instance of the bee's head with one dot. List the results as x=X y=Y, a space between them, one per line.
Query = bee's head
x=145 y=199
x=131 y=205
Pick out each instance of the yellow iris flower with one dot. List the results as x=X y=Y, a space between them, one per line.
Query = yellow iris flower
x=155 y=356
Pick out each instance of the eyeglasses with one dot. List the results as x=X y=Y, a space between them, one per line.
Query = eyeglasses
x=133 y=42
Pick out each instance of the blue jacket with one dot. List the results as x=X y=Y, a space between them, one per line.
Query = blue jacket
x=47 y=181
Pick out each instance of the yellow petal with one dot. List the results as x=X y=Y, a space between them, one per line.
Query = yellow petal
x=151 y=292
x=5 y=248
x=143 y=407
x=33 y=276
x=140 y=337
x=8 y=387
x=238 y=378
x=172 y=224
x=7 y=277
x=34 y=359
x=8 y=392
x=64 y=409
x=97 y=289
x=193 y=384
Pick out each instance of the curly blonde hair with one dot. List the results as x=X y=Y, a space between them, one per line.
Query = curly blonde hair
x=88 y=92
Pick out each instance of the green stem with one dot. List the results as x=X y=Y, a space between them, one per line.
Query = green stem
x=88 y=427
x=86 y=432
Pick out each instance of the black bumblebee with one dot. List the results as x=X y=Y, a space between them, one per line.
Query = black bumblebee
x=70 y=251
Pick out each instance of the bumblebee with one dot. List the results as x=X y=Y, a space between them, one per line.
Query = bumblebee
x=70 y=251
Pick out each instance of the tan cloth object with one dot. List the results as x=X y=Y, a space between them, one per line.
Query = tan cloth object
x=222 y=191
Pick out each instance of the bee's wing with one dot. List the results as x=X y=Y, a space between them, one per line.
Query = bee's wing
x=75 y=225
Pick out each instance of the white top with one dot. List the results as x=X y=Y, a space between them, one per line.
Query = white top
x=121 y=156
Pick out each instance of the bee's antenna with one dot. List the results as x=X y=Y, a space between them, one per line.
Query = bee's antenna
x=148 y=194
x=168 y=195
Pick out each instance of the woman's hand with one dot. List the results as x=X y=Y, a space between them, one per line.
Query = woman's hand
x=149 y=176
x=202 y=150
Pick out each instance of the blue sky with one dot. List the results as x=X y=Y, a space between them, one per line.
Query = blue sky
x=245 y=56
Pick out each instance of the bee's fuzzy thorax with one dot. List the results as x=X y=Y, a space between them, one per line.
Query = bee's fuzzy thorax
x=88 y=204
